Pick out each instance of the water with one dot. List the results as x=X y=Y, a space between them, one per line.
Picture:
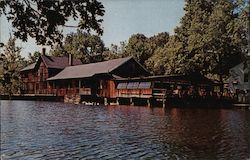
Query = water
x=49 y=130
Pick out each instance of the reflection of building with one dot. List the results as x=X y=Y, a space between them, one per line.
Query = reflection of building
x=239 y=80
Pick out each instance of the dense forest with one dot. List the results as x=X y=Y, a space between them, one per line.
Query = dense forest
x=212 y=37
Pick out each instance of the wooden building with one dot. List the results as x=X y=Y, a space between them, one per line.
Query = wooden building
x=165 y=87
x=116 y=80
x=95 y=79
x=239 y=80
x=240 y=76
x=34 y=77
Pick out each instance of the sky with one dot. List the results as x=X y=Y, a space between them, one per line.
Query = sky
x=122 y=19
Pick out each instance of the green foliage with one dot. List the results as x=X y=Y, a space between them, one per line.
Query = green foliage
x=210 y=39
x=223 y=39
x=138 y=47
x=142 y=48
x=115 y=51
x=191 y=34
x=32 y=58
x=11 y=63
x=43 y=19
x=82 y=45
x=165 y=59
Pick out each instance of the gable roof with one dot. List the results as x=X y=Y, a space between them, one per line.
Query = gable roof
x=53 y=62
x=29 y=67
x=89 y=70
x=190 y=78
x=58 y=62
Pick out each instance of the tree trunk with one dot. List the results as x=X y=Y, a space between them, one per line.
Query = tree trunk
x=221 y=84
x=220 y=74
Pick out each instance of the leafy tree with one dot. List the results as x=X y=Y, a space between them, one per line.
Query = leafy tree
x=211 y=35
x=44 y=19
x=11 y=63
x=138 y=47
x=159 y=40
x=209 y=40
x=142 y=48
x=191 y=35
x=164 y=59
x=32 y=58
x=82 y=45
x=223 y=39
x=115 y=51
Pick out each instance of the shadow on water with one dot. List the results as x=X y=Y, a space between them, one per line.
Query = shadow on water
x=46 y=130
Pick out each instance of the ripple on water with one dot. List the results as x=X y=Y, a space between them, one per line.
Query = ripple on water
x=45 y=130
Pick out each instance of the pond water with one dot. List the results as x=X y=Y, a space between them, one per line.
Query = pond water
x=54 y=130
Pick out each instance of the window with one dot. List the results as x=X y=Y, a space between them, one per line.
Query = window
x=132 y=85
x=122 y=86
x=144 y=85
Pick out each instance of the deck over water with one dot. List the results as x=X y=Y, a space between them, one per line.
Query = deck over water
x=50 y=130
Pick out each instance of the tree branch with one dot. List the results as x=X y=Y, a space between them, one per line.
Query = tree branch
x=70 y=26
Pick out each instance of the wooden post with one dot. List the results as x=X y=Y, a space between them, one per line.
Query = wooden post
x=47 y=88
x=74 y=87
x=53 y=86
x=148 y=102
x=117 y=101
x=131 y=101
x=105 y=101
x=164 y=103
x=34 y=88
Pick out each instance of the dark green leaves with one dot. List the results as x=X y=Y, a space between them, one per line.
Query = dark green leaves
x=42 y=19
x=10 y=65
x=82 y=45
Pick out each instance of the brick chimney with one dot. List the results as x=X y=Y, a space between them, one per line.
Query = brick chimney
x=43 y=51
x=70 y=60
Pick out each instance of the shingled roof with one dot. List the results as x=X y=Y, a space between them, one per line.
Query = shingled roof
x=89 y=70
x=58 y=62
x=53 y=62
x=29 y=67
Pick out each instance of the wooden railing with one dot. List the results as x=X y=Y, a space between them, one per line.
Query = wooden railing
x=141 y=93
x=159 y=93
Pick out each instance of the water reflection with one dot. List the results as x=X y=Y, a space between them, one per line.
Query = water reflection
x=45 y=130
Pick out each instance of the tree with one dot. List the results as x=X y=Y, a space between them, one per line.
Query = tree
x=44 y=19
x=212 y=35
x=115 y=51
x=138 y=47
x=159 y=40
x=165 y=59
x=223 y=39
x=32 y=58
x=142 y=48
x=210 y=39
x=82 y=45
x=191 y=34
x=11 y=63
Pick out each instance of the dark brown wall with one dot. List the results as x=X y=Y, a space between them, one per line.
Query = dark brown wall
x=35 y=81
x=131 y=69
